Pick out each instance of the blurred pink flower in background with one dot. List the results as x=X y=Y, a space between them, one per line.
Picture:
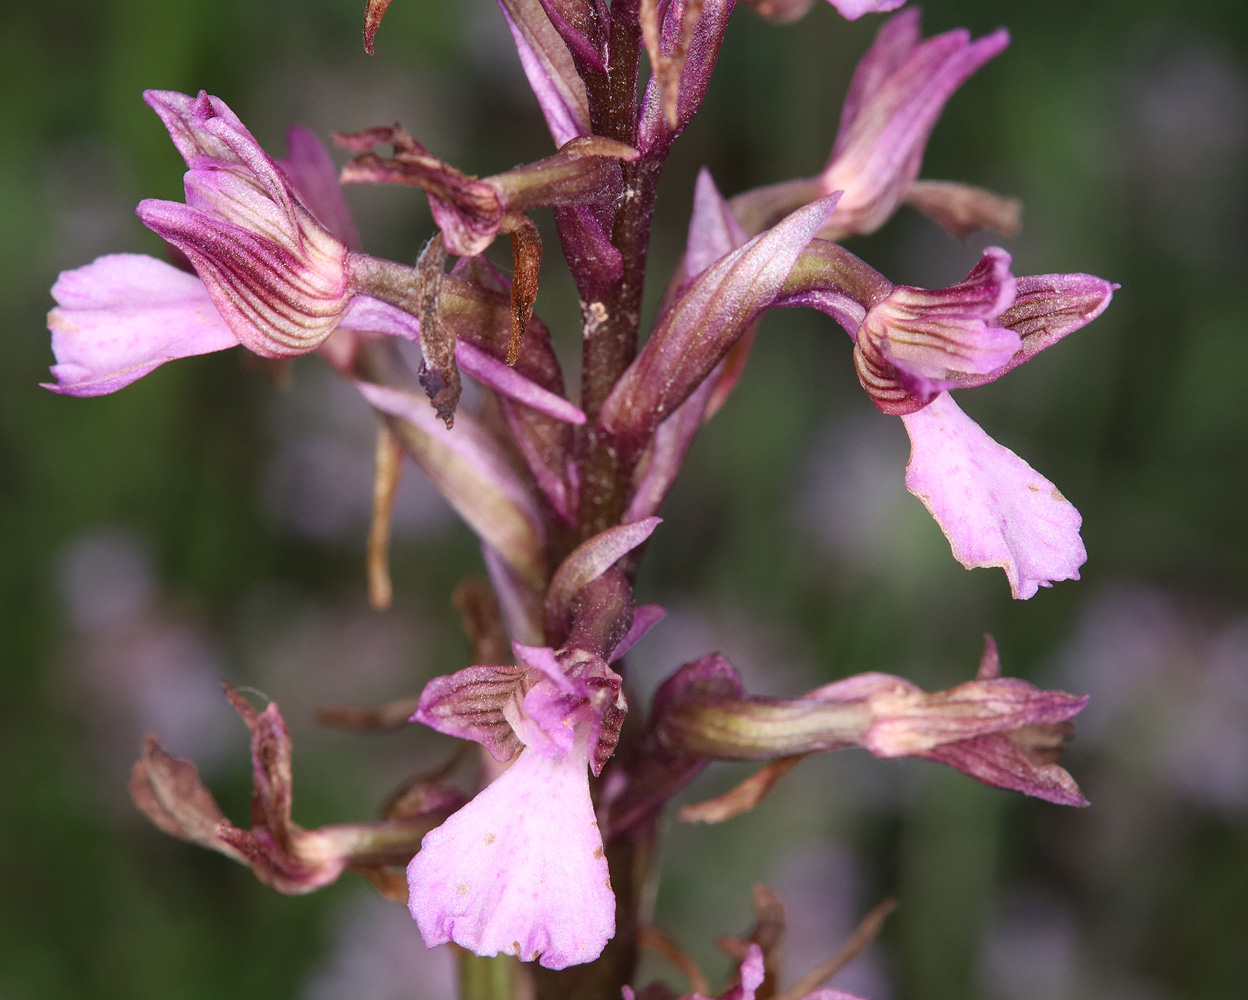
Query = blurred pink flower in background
x=319 y=481
x=141 y=664
x=372 y=956
x=1169 y=693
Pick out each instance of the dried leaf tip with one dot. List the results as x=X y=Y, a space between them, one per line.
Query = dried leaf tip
x=373 y=14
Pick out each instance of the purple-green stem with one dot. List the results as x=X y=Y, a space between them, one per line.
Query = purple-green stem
x=612 y=321
x=612 y=317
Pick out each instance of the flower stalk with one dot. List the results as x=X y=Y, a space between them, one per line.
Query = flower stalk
x=541 y=876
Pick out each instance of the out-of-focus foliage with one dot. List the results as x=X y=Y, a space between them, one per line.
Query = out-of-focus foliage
x=206 y=523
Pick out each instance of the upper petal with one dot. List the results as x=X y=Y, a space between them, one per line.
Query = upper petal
x=122 y=316
x=994 y=508
x=890 y=114
x=893 y=43
x=520 y=870
x=210 y=136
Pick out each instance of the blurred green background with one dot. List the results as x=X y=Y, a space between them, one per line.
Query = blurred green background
x=205 y=523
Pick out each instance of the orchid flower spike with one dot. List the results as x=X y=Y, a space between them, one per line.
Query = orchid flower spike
x=520 y=869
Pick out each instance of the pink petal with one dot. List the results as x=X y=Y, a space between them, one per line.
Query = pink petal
x=935 y=338
x=893 y=43
x=708 y=317
x=1049 y=306
x=282 y=286
x=906 y=722
x=963 y=209
x=830 y=995
x=889 y=115
x=996 y=760
x=366 y=314
x=665 y=457
x=520 y=869
x=851 y=10
x=713 y=228
x=519 y=602
x=544 y=659
x=472 y=471
x=994 y=508
x=371 y=315
x=752 y=973
x=470 y=704
x=122 y=316
x=654 y=132
x=211 y=137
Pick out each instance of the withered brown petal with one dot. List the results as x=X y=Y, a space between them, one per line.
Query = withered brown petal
x=439 y=375
x=169 y=792
x=526 y=262
x=373 y=14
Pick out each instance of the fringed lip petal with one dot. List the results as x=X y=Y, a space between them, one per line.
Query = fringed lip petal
x=992 y=506
x=125 y=315
x=520 y=870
